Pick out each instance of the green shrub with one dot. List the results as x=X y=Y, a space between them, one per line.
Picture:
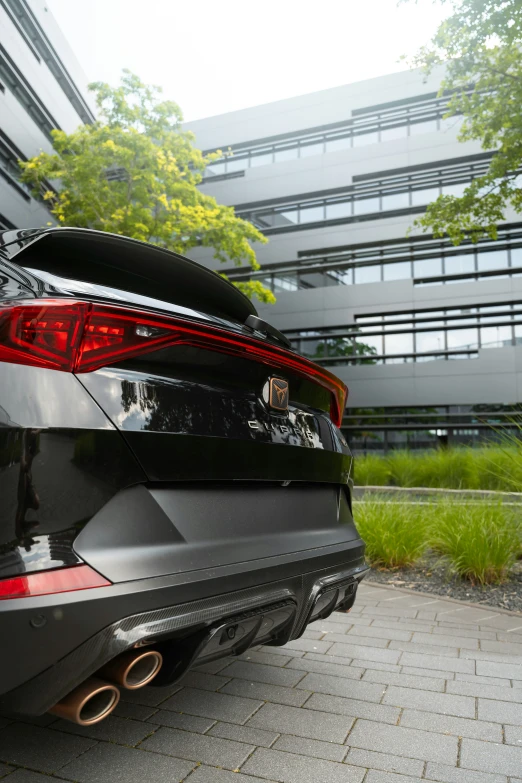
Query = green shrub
x=490 y=467
x=396 y=534
x=371 y=470
x=450 y=469
x=481 y=540
x=500 y=468
x=404 y=468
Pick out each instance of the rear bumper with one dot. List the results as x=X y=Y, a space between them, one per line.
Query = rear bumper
x=75 y=635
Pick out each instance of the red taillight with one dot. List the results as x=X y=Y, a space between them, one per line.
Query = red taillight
x=62 y=580
x=82 y=337
x=45 y=334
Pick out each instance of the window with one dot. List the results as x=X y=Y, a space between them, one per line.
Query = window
x=397 y=271
x=341 y=276
x=462 y=339
x=270 y=219
x=373 y=341
x=398 y=344
x=365 y=205
x=311 y=214
x=307 y=150
x=261 y=158
x=492 y=259
x=472 y=316
x=456 y=189
x=427 y=267
x=420 y=336
x=426 y=126
x=338 y=210
x=286 y=283
x=367 y=274
x=495 y=336
x=291 y=216
x=215 y=169
x=362 y=263
x=396 y=201
x=516 y=256
x=391 y=191
x=315 y=280
x=497 y=313
x=339 y=346
x=390 y=134
x=430 y=341
x=287 y=153
x=459 y=264
x=236 y=164
x=427 y=322
x=424 y=196
x=365 y=138
x=452 y=123
x=313 y=348
x=338 y=144
x=377 y=124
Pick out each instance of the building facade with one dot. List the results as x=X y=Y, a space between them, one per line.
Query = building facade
x=41 y=88
x=427 y=336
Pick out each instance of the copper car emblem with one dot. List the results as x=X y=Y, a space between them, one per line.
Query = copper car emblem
x=278 y=395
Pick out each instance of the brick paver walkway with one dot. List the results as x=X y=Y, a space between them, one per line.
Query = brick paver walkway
x=406 y=687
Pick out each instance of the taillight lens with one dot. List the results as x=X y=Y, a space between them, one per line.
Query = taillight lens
x=81 y=337
x=61 y=580
x=43 y=334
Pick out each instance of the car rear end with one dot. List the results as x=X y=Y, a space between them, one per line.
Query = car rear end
x=173 y=479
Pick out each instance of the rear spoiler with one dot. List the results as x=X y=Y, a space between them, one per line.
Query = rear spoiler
x=119 y=262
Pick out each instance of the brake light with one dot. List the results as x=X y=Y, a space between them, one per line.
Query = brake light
x=61 y=580
x=75 y=336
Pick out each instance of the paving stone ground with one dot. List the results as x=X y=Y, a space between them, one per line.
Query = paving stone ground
x=404 y=688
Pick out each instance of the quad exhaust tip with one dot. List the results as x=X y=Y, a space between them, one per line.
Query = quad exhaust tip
x=133 y=669
x=89 y=703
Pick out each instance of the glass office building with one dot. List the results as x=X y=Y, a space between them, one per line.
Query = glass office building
x=41 y=88
x=427 y=336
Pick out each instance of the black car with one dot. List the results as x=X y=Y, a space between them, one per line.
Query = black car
x=174 y=486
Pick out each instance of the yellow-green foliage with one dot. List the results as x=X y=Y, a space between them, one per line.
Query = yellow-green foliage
x=135 y=172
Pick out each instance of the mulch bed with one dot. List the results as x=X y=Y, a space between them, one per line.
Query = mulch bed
x=432 y=576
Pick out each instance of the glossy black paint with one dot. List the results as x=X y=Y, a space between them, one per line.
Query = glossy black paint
x=52 y=481
x=120 y=262
x=61 y=460
x=219 y=426
x=224 y=399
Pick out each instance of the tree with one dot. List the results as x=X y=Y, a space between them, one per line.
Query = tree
x=343 y=346
x=135 y=172
x=480 y=46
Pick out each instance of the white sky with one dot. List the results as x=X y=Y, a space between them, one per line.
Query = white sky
x=216 y=56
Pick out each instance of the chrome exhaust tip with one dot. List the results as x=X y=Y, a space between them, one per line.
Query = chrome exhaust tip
x=89 y=703
x=133 y=669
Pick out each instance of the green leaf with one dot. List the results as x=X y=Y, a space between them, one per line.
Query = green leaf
x=480 y=47
x=135 y=172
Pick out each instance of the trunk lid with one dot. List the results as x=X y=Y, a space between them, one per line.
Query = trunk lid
x=195 y=401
